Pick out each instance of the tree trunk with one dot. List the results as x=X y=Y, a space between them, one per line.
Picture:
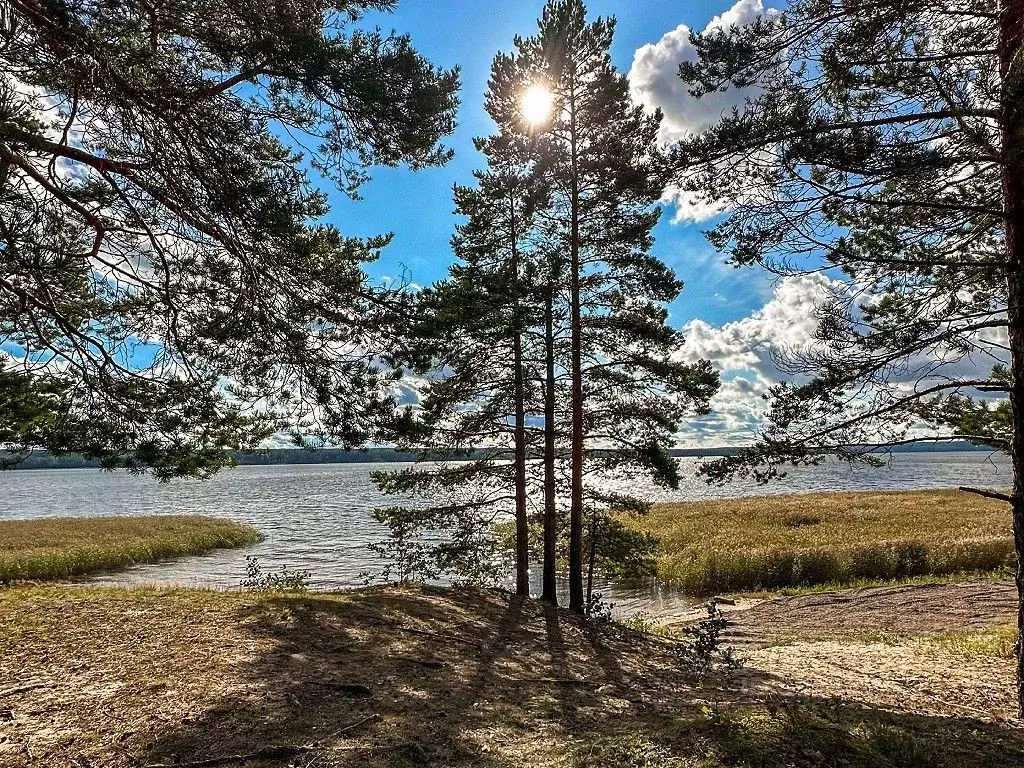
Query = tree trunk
x=549 y=591
x=593 y=554
x=576 y=602
x=522 y=522
x=1011 y=67
x=519 y=395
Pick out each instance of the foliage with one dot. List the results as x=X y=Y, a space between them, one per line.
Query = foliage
x=281 y=581
x=429 y=543
x=870 y=151
x=164 y=270
x=643 y=622
x=702 y=653
x=597 y=609
x=50 y=549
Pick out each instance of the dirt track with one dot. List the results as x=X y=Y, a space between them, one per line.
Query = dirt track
x=866 y=644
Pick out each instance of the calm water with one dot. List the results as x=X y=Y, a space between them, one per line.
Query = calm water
x=318 y=517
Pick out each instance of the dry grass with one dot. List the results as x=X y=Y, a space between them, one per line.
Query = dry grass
x=396 y=678
x=999 y=642
x=61 y=548
x=828 y=538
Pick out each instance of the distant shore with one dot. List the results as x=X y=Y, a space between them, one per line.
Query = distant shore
x=286 y=456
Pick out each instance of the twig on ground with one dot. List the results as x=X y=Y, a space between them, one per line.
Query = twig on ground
x=264 y=753
x=21 y=689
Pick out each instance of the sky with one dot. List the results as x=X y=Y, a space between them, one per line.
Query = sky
x=417 y=207
x=734 y=317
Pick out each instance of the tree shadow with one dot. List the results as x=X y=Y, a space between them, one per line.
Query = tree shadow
x=378 y=677
x=391 y=677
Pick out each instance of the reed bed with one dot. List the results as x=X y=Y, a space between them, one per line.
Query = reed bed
x=48 y=549
x=772 y=543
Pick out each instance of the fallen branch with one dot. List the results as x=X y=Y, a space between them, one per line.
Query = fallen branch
x=554 y=680
x=988 y=494
x=352 y=726
x=21 y=689
x=264 y=753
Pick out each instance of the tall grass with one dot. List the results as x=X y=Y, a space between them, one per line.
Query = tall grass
x=827 y=538
x=59 y=548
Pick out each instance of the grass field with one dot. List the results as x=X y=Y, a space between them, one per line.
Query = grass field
x=61 y=548
x=770 y=543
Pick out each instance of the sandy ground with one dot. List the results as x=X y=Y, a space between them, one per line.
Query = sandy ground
x=819 y=645
x=130 y=678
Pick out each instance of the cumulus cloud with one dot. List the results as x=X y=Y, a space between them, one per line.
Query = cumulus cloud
x=787 y=321
x=654 y=79
x=654 y=83
x=744 y=353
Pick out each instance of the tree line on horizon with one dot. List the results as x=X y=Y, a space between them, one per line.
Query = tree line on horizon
x=170 y=295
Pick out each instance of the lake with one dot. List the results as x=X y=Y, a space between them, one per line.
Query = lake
x=319 y=517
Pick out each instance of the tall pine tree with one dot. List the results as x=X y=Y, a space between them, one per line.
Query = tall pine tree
x=474 y=340
x=884 y=145
x=597 y=155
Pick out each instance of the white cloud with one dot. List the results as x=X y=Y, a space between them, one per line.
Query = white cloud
x=744 y=352
x=654 y=75
x=654 y=83
x=786 y=322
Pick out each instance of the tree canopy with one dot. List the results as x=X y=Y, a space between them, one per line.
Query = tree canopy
x=883 y=145
x=164 y=265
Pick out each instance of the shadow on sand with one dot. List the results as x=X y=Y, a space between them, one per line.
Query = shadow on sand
x=394 y=678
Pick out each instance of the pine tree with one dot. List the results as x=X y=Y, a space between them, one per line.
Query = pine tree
x=557 y=294
x=597 y=156
x=884 y=145
x=162 y=260
x=471 y=426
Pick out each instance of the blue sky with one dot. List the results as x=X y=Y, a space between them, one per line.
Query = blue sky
x=417 y=207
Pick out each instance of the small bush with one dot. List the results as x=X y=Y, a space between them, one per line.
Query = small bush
x=702 y=652
x=642 y=621
x=281 y=581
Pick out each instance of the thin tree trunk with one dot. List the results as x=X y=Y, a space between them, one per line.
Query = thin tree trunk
x=590 y=564
x=576 y=601
x=549 y=591
x=522 y=522
x=519 y=395
x=1011 y=67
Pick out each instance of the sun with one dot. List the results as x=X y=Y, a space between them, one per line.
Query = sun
x=535 y=104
